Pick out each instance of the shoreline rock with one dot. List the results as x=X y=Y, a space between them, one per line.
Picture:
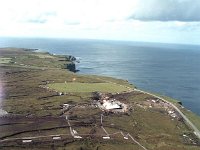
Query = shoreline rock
x=71 y=67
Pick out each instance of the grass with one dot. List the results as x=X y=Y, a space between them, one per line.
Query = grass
x=87 y=87
x=43 y=55
x=5 y=60
x=174 y=101
x=114 y=80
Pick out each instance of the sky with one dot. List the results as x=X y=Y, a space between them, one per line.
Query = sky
x=166 y=21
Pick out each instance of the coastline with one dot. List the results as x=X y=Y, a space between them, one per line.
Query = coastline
x=166 y=81
x=58 y=93
x=69 y=66
x=190 y=124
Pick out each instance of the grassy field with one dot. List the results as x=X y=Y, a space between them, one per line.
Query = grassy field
x=87 y=87
x=5 y=60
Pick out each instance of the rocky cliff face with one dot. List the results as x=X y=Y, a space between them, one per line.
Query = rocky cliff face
x=69 y=62
x=71 y=67
x=71 y=58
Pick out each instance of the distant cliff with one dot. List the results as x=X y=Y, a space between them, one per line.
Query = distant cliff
x=71 y=67
x=71 y=62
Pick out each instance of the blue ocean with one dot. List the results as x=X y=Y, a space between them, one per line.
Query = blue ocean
x=168 y=69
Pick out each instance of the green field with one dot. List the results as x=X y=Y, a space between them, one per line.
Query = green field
x=87 y=87
x=5 y=60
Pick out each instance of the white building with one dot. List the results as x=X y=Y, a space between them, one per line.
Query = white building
x=111 y=105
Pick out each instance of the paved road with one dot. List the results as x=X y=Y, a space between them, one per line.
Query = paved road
x=192 y=126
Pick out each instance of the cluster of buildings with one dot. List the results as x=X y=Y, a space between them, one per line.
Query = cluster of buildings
x=108 y=104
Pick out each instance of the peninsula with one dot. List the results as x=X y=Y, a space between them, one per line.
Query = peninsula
x=44 y=104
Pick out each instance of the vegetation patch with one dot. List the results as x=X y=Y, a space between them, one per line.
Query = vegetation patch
x=87 y=87
x=5 y=60
x=43 y=55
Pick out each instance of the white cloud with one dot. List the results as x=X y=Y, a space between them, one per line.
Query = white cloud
x=25 y=15
x=167 y=10
x=72 y=10
x=108 y=19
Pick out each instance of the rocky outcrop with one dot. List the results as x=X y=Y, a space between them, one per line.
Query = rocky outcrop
x=71 y=58
x=71 y=67
x=70 y=62
x=180 y=103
